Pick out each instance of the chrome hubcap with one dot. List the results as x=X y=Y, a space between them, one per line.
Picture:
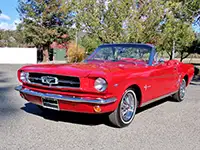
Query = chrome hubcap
x=127 y=109
x=182 y=89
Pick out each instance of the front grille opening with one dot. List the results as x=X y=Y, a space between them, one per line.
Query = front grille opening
x=62 y=81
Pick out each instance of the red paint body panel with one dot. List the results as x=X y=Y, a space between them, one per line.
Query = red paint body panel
x=33 y=99
x=161 y=79
x=83 y=107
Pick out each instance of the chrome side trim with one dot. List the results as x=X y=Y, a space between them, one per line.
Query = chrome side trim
x=66 y=98
x=156 y=99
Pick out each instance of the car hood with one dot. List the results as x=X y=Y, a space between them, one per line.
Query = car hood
x=80 y=69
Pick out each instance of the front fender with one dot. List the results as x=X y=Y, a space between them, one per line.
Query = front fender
x=186 y=70
x=122 y=86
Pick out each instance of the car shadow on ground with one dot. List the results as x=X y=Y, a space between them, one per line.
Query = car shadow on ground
x=81 y=118
x=71 y=117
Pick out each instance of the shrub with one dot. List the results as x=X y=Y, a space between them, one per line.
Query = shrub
x=75 y=53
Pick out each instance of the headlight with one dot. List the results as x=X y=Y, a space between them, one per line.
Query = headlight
x=24 y=76
x=100 y=84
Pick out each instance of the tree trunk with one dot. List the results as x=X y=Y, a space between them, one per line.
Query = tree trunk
x=181 y=59
x=171 y=56
x=101 y=39
x=173 y=50
x=45 y=55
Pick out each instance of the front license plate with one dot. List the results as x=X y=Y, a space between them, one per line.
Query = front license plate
x=50 y=103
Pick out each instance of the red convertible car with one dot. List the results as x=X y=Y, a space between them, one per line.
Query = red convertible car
x=115 y=79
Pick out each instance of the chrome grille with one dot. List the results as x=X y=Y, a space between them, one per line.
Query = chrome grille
x=63 y=81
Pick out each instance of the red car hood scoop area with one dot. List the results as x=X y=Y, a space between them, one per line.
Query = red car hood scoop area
x=80 y=69
x=76 y=69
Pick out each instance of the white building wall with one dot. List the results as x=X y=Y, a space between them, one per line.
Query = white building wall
x=18 y=55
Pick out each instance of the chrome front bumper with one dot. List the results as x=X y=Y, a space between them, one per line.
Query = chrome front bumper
x=100 y=101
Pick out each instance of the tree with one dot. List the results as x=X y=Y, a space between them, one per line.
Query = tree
x=44 y=22
x=188 y=50
x=89 y=43
x=196 y=44
x=9 y=38
x=164 y=23
x=177 y=29
x=102 y=19
x=177 y=36
x=144 y=23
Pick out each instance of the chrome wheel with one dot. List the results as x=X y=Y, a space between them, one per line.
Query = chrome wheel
x=128 y=107
x=182 y=89
x=179 y=96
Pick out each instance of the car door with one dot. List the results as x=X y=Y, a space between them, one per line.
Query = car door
x=164 y=79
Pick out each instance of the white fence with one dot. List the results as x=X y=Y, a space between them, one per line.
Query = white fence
x=18 y=55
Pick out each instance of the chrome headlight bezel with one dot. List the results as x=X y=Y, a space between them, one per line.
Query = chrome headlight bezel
x=24 y=76
x=100 y=84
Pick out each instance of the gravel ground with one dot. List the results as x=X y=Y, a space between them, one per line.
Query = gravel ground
x=161 y=125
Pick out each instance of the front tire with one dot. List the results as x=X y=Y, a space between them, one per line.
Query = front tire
x=179 y=96
x=125 y=112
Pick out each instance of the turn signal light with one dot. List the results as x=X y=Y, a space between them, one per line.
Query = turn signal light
x=97 y=109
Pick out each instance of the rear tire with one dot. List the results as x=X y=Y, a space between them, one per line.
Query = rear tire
x=125 y=112
x=179 y=96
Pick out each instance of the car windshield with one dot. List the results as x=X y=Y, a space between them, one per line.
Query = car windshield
x=129 y=53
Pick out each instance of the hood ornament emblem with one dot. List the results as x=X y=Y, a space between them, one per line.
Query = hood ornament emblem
x=49 y=80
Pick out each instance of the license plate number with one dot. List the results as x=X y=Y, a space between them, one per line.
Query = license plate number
x=50 y=103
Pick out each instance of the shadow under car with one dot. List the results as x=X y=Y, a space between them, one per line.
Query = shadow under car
x=82 y=118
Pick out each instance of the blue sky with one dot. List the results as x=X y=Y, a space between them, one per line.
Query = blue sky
x=9 y=14
x=196 y=27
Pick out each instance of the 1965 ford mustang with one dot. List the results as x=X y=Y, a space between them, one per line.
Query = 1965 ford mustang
x=115 y=79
